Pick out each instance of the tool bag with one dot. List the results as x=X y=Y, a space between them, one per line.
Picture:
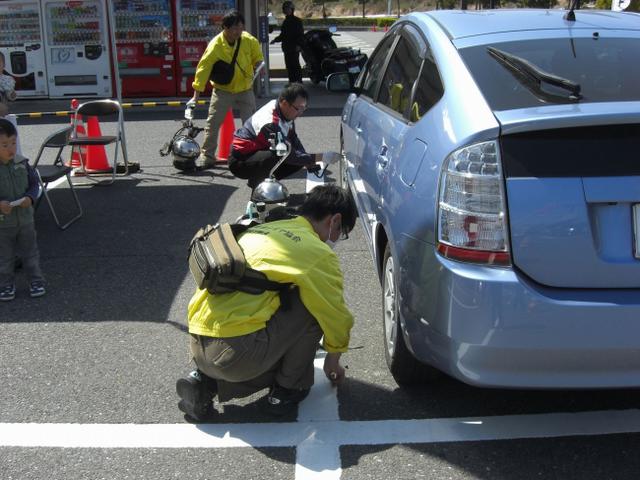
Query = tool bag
x=217 y=264
x=221 y=71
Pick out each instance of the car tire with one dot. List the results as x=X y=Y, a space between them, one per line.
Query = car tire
x=404 y=368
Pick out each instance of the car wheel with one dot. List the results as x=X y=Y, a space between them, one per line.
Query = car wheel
x=406 y=370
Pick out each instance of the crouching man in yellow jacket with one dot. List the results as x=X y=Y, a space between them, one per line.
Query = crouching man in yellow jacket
x=242 y=343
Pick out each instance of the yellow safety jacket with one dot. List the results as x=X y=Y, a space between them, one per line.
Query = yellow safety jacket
x=249 y=54
x=287 y=251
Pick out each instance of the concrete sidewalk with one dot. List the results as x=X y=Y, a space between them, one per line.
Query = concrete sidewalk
x=319 y=99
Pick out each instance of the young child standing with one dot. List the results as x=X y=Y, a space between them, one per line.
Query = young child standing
x=18 y=192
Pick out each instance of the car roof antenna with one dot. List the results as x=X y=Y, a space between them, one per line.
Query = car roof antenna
x=570 y=15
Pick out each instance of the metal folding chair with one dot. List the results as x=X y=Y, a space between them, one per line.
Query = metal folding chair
x=50 y=173
x=101 y=109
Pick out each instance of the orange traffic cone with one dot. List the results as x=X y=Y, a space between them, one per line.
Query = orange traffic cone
x=96 y=159
x=78 y=154
x=225 y=137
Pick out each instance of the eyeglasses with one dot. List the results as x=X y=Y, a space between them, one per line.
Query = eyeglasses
x=298 y=109
x=344 y=233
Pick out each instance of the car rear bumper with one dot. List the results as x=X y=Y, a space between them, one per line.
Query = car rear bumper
x=495 y=328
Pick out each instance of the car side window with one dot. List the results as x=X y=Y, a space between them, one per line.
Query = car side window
x=373 y=73
x=429 y=88
x=402 y=71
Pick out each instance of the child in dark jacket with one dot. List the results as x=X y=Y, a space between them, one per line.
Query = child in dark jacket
x=18 y=192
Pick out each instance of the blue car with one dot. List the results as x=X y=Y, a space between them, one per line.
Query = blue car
x=494 y=157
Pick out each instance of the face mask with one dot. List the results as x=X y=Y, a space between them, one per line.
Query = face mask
x=328 y=241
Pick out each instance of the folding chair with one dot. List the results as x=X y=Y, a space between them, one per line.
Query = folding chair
x=51 y=173
x=101 y=109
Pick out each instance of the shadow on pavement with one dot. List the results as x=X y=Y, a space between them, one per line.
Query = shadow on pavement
x=126 y=258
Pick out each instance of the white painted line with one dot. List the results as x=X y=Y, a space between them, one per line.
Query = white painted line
x=57 y=182
x=322 y=403
x=337 y=432
x=317 y=458
x=313 y=181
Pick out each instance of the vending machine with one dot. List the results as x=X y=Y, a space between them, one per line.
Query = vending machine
x=144 y=44
x=77 y=48
x=197 y=22
x=21 y=42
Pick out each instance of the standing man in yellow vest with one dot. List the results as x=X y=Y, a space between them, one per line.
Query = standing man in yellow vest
x=238 y=92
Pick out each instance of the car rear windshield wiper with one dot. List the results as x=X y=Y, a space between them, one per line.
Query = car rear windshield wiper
x=535 y=75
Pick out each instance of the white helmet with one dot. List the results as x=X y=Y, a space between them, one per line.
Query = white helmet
x=185 y=151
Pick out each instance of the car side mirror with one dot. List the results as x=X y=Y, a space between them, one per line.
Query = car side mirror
x=340 y=82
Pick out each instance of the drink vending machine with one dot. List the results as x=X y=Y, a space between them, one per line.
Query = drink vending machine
x=77 y=48
x=21 y=42
x=144 y=44
x=197 y=22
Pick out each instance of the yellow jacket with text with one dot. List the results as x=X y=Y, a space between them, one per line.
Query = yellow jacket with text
x=287 y=251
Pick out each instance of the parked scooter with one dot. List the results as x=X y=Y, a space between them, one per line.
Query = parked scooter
x=323 y=57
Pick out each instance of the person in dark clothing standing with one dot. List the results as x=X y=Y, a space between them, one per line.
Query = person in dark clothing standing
x=291 y=36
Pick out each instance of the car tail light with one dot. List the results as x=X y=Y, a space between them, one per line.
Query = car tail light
x=471 y=212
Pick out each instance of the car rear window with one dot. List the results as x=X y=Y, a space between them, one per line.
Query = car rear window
x=607 y=70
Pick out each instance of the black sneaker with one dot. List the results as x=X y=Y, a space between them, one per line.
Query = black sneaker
x=196 y=396
x=37 y=289
x=7 y=293
x=281 y=401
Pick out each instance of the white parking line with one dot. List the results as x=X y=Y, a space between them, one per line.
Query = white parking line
x=319 y=432
x=333 y=432
x=313 y=181
x=317 y=459
x=57 y=182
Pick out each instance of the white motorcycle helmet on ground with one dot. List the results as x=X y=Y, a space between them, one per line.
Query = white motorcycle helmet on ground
x=185 y=151
x=183 y=146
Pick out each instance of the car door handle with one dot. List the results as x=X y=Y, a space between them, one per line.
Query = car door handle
x=383 y=160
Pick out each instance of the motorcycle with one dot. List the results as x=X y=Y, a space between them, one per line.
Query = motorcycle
x=323 y=57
